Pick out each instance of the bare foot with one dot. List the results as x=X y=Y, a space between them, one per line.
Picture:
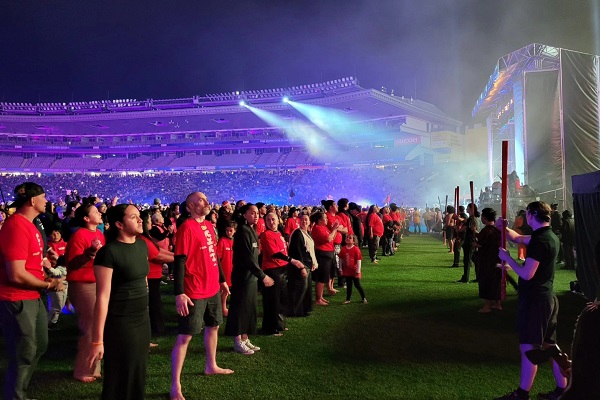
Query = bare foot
x=218 y=371
x=86 y=379
x=153 y=345
x=321 y=303
x=175 y=394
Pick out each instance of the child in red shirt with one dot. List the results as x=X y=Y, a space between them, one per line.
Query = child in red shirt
x=56 y=300
x=351 y=259
x=225 y=254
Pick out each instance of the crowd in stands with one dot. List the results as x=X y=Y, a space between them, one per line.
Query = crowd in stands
x=403 y=185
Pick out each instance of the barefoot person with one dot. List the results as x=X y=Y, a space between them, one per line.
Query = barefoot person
x=198 y=285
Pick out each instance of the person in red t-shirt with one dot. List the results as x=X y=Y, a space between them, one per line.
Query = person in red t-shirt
x=260 y=224
x=292 y=223
x=56 y=300
x=274 y=261
x=333 y=217
x=374 y=232
x=225 y=254
x=324 y=251
x=351 y=259
x=343 y=216
x=157 y=256
x=22 y=313
x=198 y=283
x=81 y=250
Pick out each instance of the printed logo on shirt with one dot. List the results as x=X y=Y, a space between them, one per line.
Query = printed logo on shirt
x=254 y=244
x=211 y=244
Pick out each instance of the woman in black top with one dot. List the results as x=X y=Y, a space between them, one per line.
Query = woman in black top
x=121 y=330
x=241 y=320
x=302 y=247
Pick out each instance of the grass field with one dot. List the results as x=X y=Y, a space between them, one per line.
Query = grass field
x=420 y=337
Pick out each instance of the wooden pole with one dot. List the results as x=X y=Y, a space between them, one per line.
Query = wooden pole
x=472 y=194
x=504 y=210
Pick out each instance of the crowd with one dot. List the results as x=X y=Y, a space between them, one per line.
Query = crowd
x=108 y=261
x=293 y=186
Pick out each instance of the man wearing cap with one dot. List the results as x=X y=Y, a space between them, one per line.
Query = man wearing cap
x=22 y=313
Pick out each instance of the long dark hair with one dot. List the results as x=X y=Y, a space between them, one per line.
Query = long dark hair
x=145 y=216
x=82 y=212
x=238 y=215
x=476 y=213
x=115 y=214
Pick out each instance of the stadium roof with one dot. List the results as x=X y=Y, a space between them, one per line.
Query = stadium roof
x=358 y=104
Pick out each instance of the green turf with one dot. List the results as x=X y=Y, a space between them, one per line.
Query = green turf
x=419 y=337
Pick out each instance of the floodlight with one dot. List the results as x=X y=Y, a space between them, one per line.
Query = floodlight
x=242 y=103
x=286 y=99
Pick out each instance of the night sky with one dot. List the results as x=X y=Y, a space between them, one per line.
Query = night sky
x=440 y=51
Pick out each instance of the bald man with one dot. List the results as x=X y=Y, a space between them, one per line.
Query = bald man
x=199 y=282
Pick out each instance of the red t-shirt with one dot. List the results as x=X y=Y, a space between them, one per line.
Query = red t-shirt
x=332 y=219
x=174 y=223
x=377 y=225
x=78 y=243
x=58 y=247
x=387 y=218
x=155 y=271
x=196 y=240
x=395 y=215
x=320 y=233
x=272 y=242
x=20 y=240
x=163 y=244
x=363 y=217
x=291 y=225
x=344 y=220
x=349 y=258
x=260 y=226
x=225 y=254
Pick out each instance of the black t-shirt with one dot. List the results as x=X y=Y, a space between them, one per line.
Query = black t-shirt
x=543 y=247
x=129 y=262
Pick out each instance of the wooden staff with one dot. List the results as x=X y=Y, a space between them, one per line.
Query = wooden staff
x=504 y=208
x=456 y=199
x=472 y=195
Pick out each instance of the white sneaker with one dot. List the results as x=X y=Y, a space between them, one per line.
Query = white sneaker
x=365 y=301
x=240 y=347
x=251 y=346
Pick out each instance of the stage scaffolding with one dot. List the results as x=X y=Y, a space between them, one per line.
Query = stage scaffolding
x=544 y=101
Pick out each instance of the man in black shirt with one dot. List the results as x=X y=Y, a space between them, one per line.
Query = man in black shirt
x=538 y=306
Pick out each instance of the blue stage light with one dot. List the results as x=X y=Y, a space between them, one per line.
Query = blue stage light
x=242 y=103
x=286 y=99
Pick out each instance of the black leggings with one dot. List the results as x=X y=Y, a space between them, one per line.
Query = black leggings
x=349 y=281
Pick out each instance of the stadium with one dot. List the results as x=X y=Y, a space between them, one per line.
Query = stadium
x=289 y=142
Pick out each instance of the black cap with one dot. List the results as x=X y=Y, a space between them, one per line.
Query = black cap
x=259 y=205
x=24 y=192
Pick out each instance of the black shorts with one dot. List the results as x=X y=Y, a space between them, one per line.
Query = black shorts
x=326 y=261
x=537 y=320
x=449 y=232
x=208 y=311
